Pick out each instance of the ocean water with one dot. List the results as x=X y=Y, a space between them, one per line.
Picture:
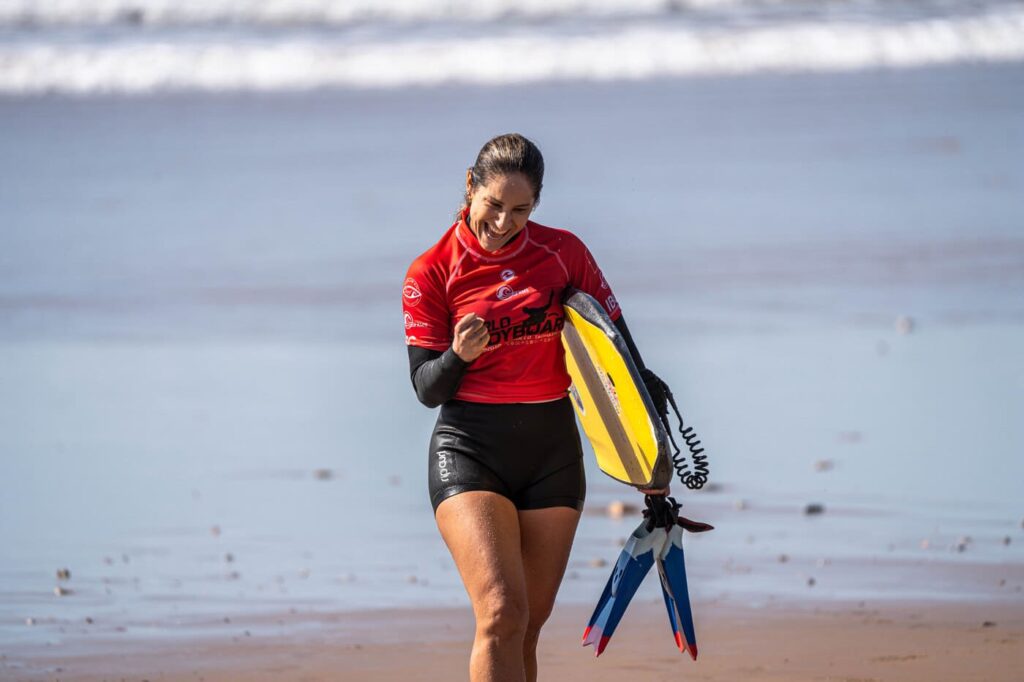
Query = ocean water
x=204 y=399
x=150 y=46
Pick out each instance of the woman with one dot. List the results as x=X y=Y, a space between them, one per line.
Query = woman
x=483 y=317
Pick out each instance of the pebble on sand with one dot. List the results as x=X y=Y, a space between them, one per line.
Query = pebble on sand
x=811 y=582
x=850 y=437
x=1007 y=540
x=229 y=557
x=598 y=563
x=988 y=624
x=925 y=544
x=740 y=505
x=61 y=591
x=30 y=621
x=63 y=574
x=618 y=509
x=783 y=558
x=215 y=531
x=323 y=474
x=813 y=509
x=88 y=620
x=822 y=465
x=904 y=324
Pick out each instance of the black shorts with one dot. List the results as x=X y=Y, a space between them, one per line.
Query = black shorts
x=528 y=452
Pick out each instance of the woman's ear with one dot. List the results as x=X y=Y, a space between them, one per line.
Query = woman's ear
x=469 y=184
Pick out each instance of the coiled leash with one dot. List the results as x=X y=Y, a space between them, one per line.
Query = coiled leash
x=694 y=480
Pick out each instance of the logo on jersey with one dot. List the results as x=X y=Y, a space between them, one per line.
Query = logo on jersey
x=411 y=293
x=506 y=292
x=506 y=275
x=611 y=303
x=410 y=322
x=541 y=321
x=604 y=284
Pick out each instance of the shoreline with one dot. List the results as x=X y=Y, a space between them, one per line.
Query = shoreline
x=784 y=641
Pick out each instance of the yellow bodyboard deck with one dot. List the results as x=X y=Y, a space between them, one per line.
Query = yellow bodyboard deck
x=610 y=399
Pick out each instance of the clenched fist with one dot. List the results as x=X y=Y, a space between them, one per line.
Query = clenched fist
x=470 y=337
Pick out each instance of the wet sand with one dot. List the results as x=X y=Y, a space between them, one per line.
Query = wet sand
x=853 y=642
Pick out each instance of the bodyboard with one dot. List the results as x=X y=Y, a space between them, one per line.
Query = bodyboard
x=610 y=399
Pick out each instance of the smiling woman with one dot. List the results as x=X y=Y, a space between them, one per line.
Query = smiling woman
x=483 y=317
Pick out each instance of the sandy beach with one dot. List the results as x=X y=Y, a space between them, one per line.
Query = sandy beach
x=863 y=642
x=212 y=464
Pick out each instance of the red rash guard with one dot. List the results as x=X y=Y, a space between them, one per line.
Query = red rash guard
x=517 y=290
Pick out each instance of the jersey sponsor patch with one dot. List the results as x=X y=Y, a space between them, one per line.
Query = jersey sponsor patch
x=611 y=303
x=411 y=293
x=411 y=322
x=506 y=292
x=507 y=274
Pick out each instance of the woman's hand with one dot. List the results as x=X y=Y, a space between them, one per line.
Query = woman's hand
x=470 y=337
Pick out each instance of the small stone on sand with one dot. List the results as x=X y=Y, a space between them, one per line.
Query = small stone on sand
x=1007 y=540
x=30 y=621
x=394 y=480
x=618 y=509
x=811 y=582
x=323 y=474
x=822 y=563
x=814 y=508
x=925 y=544
x=63 y=574
x=215 y=531
x=824 y=465
x=988 y=624
x=783 y=558
x=850 y=437
x=229 y=557
x=61 y=591
x=412 y=580
x=89 y=620
x=598 y=563
x=740 y=505
x=904 y=324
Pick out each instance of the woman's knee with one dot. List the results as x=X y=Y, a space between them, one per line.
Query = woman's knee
x=503 y=614
x=534 y=624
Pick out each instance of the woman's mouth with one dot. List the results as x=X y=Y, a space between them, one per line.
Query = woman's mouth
x=491 y=233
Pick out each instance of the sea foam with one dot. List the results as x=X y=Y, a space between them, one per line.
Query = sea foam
x=230 y=58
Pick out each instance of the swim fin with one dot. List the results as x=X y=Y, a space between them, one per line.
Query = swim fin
x=672 y=571
x=636 y=559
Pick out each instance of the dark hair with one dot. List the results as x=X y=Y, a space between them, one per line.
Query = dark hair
x=505 y=154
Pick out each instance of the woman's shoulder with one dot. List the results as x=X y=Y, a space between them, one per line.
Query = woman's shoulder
x=439 y=257
x=557 y=238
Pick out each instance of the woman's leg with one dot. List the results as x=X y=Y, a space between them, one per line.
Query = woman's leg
x=481 y=530
x=546 y=540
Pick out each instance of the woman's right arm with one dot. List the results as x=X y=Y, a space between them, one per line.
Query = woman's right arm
x=435 y=374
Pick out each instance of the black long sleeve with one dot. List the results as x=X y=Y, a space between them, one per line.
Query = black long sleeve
x=435 y=375
x=620 y=324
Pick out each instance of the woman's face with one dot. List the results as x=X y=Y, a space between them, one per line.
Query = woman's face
x=499 y=209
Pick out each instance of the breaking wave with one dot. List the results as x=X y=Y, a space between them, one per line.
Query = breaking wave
x=645 y=41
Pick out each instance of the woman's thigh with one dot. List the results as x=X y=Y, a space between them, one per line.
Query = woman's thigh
x=482 y=532
x=545 y=538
